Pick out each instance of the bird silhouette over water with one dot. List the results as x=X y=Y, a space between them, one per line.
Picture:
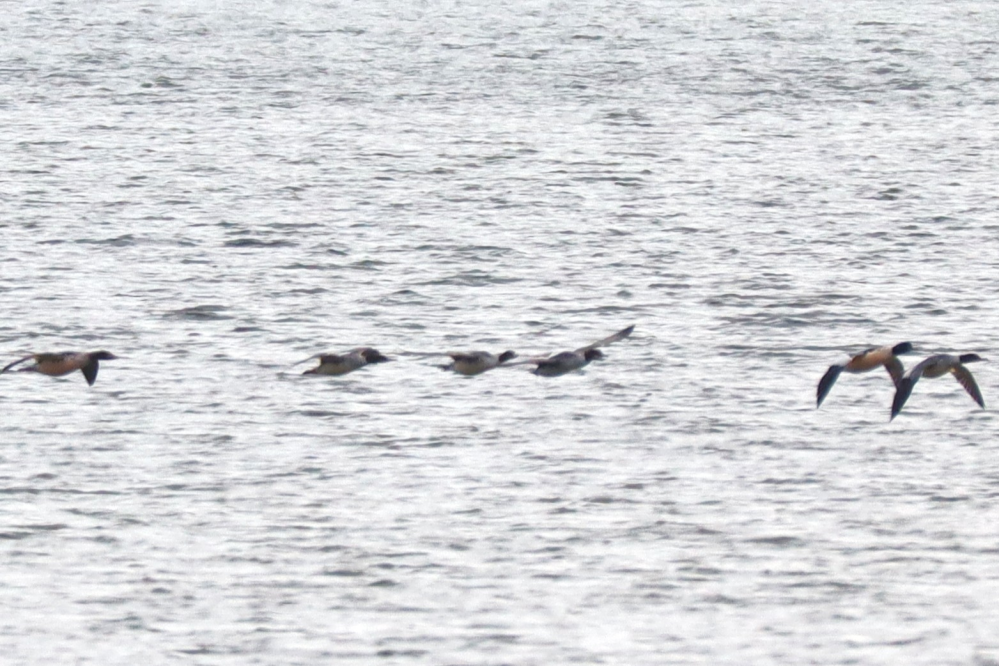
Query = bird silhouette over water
x=341 y=364
x=865 y=361
x=62 y=363
x=938 y=366
x=567 y=361
x=476 y=362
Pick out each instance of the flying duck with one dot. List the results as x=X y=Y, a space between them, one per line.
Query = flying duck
x=938 y=366
x=341 y=364
x=567 y=361
x=863 y=362
x=62 y=363
x=476 y=362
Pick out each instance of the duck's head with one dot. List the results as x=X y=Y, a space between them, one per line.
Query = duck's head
x=102 y=356
x=901 y=348
x=374 y=356
x=506 y=356
x=593 y=355
x=970 y=358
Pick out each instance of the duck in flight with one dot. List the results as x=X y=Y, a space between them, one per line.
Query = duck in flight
x=62 y=363
x=341 y=364
x=477 y=362
x=938 y=366
x=864 y=361
x=567 y=361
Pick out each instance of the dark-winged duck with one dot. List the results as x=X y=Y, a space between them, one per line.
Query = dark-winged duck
x=62 y=363
x=565 y=362
x=863 y=362
x=341 y=364
x=476 y=362
x=938 y=366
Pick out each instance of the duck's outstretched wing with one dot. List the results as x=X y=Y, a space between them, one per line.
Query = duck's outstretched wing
x=527 y=360
x=902 y=393
x=895 y=369
x=905 y=385
x=964 y=377
x=826 y=383
x=456 y=357
x=620 y=335
x=90 y=371
x=306 y=360
x=17 y=362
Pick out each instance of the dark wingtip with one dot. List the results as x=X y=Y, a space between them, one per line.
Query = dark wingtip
x=826 y=383
x=90 y=372
x=821 y=391
x=901 y=395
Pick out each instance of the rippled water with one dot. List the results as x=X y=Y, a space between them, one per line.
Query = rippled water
x=215 y=191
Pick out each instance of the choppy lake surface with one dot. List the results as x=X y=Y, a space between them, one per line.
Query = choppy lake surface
x=215 y=191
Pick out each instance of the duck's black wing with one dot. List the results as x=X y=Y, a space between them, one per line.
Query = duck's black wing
x=964 y=377
x=902 y=393
x=826 y=383
x=895 y=369
x=90 y=371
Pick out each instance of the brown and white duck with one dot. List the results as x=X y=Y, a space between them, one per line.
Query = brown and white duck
x=865 y=361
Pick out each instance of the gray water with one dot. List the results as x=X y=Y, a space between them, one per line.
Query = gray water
x=214 y=191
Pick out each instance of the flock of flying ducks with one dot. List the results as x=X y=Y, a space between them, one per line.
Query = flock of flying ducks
x=477 y=362
x=463 y=363
x=937 y=365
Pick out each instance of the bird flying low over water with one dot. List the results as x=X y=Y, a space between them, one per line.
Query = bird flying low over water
x=62 y=363
x=864 y=361
x=341 y=364
x=567 y=361
x=938 y=366
x=477 y=362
